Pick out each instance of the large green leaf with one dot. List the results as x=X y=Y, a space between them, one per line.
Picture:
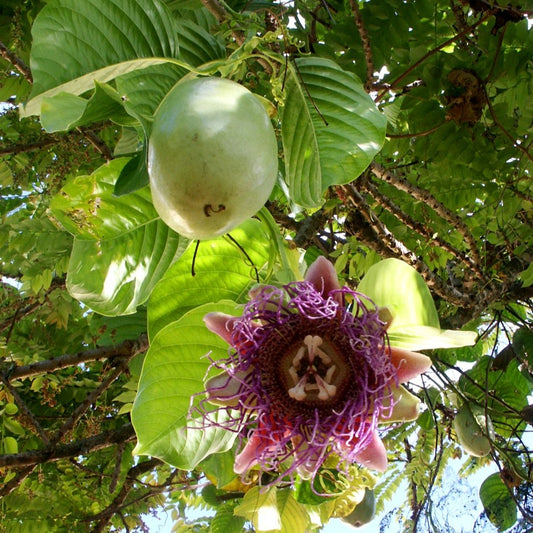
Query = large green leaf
x=331 y=128
x=498 y=502
x=273 y=509
x=64 y=111
x=173 y=373
x=74 y=37
x=143 y=90
x=415 y=323
x=115 y=276
x=86 y=82
x=121 y=247
x=88 y=209
x=140 y=43
x=394 y=284
x=222 y=272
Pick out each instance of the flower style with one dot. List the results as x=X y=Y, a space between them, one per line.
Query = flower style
x=310 y=374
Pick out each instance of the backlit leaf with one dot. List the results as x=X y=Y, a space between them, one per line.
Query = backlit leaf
x=173 y=373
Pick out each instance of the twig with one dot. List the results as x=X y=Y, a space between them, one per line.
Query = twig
x=27 y=147
x=100 y=145
x=16 y=62
x=220 y=13
x=418 y=134
x=215 y=8
x=496 y=120
x=104 y=516
x=25 y=410
x=11 y=485
x=363 y=223
x=363 y=34
x=91 y=399
x=390 y=206
x=425 y=196
x=126 y=348
x=71 y=449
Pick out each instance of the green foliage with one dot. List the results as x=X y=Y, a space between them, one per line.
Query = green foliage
x=171 y=381
x=331 y=129
x=404 y=132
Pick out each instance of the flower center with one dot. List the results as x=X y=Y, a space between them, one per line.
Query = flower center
x=314 y=371
x=307 y=365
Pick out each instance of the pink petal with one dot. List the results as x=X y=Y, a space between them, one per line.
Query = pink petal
x=374 y=455
x=221 y=324
x=405 y=406
x=323 y=276
x=247 y=458
x=409 y=364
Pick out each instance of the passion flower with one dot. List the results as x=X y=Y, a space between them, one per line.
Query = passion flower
x=310 y=374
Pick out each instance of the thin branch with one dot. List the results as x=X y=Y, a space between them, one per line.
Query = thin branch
x=126 y=348
x=91 y=398
x=9 y=56
x=219 y=12
x=496 y=120
x=71 y=449
x=11 y=485
x=363 y=34
x=25 y=410
x=418 y=134
x=100 y=145
x=15 y=149
x=112 y=509
x=364 y=224
x=425 y=196
x=215 y=8
x=422 y=230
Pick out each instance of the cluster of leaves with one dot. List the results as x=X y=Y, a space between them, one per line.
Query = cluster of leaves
x=411 y=142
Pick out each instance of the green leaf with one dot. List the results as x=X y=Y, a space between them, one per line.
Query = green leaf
x=222 y=272
x=10 y=445
x=134 y=175
x=86 y=82
x=331 y=129
x=260 y=507
x=509 y=389
x=498 y=502
x=143 y=90
x=115 y=276
x=64 y=111
x=114 y=330
x=273 y=510
x=427 y=338
x=225 y=521
x=121 y=249
x=87 y=207
x=75 y=37
x=523 y=344
x=527 y=276
x=173 y=373
x=219 y=469
x=415 y=324
x=398 y=286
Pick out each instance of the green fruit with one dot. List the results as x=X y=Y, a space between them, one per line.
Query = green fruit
x=212 y=157
x=364 y=511
x=474 y=430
